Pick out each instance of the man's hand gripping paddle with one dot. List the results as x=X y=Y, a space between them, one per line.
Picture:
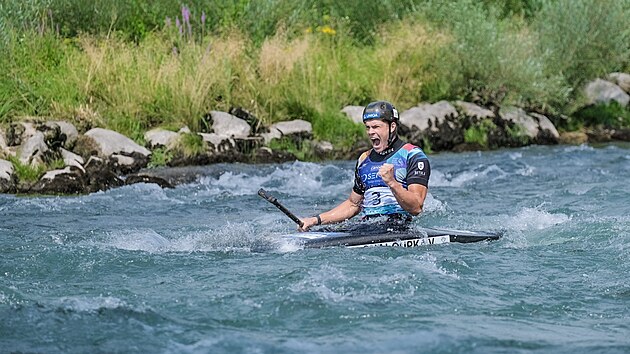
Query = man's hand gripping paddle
x=271 y=199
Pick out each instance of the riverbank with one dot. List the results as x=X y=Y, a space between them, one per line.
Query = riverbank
x=53 y=157
x=178 y=86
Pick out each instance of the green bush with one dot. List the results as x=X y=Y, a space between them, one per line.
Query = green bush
x=612 y=115
x=490 y=60
x=478 y=134
x=27 y=173
x=583 y=39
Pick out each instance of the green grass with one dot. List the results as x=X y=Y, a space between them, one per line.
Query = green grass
x=299 y=150
x=118 y=65
x=160 y=157
x=609 y=116
x=27 y=173
x=190 y=145
x=478 y=134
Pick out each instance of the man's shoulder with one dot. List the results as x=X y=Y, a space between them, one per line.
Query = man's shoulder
x=413 y=151
x=363 y=156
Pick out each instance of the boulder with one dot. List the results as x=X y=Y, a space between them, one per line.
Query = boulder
x=110 y=142
x=148 y=178
x=225 y=124
x=573 y=138
x=323 y=149
x=620 y=79
x=219 y=143
x=438 y=123
x=99 y=176
x=272 y=134
x=548 y=133
x=116 y=147
x=293 y=127
x=297 y=130
x=69 y=130
x=160 y=138
x=33 y=150
x=519 y=117
x=17 y=133
x=251 y=119
x=72 y=159
x=603 y=92
x=66 y=181
x=474 y=111
x=3 y=143
x=7 y=176
x=429 y=117
x=53 y=135
x=355 y=113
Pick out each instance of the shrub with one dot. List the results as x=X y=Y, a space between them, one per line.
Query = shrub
x=583 y=39
x=612 y=115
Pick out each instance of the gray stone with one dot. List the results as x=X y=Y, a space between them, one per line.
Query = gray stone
x=6 y=169
x=72 y=159
x=110 y=142
x=69 y=130
x=355 y=113
x=32 y=151
x=293 y=127
x=604 y=92
x=66 y=181
x=126 y=162
x=273 y=134
x=429 y=117
x=160 y=137
x=620 y=79
x=418 y=117
x=474 y=111
x=546 y=125
x=3 y=142
x=519 y=117
x=220 y=143
x=7 y=176
x=226 y=124
x=17 y=133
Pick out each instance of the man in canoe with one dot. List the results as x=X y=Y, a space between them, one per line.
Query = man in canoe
x=391 y=179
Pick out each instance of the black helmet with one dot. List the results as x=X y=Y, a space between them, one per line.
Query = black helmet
x=380 y=110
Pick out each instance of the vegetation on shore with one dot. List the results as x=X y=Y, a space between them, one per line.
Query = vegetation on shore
x=134 y=65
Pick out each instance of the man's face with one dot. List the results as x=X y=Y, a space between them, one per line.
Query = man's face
x=378 y=132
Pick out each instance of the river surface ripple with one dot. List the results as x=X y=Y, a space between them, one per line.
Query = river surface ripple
x=142 y=269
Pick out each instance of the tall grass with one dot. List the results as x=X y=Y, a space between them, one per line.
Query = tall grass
x=284 y=59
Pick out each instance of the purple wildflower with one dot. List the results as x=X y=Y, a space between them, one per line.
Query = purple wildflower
x=186 y=18
x=179 y=26
x=185 y=14
x=203 y=18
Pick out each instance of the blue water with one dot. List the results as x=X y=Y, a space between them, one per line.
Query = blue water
x=142 y=269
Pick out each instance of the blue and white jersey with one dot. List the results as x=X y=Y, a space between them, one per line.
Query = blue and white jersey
x=411 y=166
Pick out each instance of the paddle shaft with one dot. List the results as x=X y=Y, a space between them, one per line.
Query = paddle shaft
x=271 y=199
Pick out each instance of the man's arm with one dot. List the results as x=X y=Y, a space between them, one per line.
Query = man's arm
x=411 y=199
x=344 y=211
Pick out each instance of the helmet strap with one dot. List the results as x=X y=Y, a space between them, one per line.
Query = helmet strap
x=390 y=140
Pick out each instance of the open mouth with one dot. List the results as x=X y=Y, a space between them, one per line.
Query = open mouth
x=375 y=141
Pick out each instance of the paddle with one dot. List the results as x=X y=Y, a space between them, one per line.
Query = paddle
x=271 y=199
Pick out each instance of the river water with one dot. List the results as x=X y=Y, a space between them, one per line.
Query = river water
x=140 y=269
